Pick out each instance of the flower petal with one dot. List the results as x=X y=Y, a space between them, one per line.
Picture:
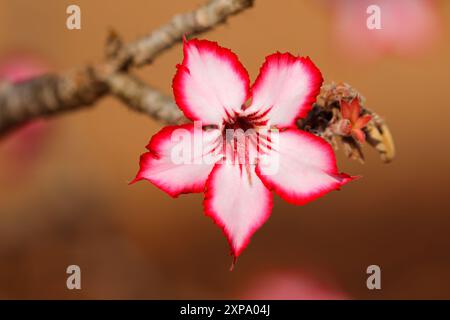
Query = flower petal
x=287 y=86
x=359 y=135
x=180 y=159
x=346 y=110
x=238 y=202
x=300 y=167
x=362 y=121
x=210 y=83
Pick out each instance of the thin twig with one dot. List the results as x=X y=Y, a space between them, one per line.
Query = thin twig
x=143 y=98
x=54 y=94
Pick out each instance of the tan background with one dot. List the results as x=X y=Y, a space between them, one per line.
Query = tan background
x=75 y=206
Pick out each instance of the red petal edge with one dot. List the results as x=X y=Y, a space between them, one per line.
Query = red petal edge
x=182 y=69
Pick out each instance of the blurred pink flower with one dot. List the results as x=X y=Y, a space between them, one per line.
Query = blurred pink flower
x=21 y=146
x=291 y=285
x=408 y=27
x=18 y=67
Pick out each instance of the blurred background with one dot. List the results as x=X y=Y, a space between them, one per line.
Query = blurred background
x=64 y=197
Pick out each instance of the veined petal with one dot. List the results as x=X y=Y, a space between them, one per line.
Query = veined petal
x=180 y=158
x=300 y=167
x=238 y=202
x=211 y=83
x=287 y=86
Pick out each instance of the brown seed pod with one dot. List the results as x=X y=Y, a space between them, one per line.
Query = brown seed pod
x=327 y=121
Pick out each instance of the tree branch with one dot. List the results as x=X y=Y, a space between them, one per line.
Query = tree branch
x=53 y=94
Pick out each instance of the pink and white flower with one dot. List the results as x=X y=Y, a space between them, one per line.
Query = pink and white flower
x=213 y=87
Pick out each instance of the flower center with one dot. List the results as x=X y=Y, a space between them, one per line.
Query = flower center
x=237 y=134
x=245 y=138
x=239 y=123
